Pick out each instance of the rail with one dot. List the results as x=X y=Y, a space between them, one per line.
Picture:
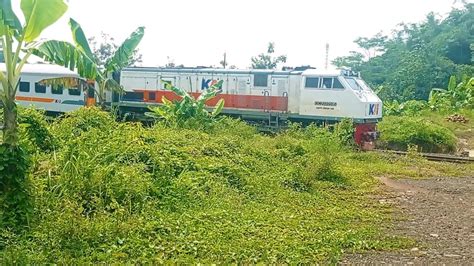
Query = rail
x=439 y=157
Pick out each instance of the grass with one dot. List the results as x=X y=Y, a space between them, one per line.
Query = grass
x=461 y=130
x=114 y=192
x=399 y=132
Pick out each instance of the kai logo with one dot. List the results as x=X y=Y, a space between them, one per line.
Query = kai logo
x=207 y=83
x=373 y=109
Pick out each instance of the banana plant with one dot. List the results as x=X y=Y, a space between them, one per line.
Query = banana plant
x=456 y=96
x=19 y=42
x=79 y=57
x=189 y=111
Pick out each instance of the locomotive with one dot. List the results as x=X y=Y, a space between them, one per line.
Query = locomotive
x=265 y=96
x=268 y=97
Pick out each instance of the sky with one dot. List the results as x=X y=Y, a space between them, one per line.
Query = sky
x=199 y=32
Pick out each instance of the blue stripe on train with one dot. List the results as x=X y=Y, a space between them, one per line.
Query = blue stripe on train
x=80 y=102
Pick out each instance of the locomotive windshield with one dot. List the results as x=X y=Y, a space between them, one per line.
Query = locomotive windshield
x=357 y=84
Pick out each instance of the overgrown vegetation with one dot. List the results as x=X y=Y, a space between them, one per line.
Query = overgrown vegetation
x=119 y=192
x=80 y=58
x=189 y=112
x=416 y=57
x=427 y=124
x=400 y=132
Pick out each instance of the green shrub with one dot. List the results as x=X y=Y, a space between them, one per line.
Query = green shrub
x=123 y=193
x=344 y=131
x=408 y=108
x=15 y=200
x=73 y=124
x=399 y=132
x=188 y=112
x=34 y=130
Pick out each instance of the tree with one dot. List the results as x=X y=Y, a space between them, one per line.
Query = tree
x=18 y=42
x=417 y=57
x=105 y=48
x=353 y=61
x=80 y=57
x=267 y=61
x=372 y=46
x=2 y=58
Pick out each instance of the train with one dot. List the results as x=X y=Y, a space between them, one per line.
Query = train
x=270 y=98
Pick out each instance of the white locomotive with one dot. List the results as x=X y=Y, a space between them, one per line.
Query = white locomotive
x=271 y=97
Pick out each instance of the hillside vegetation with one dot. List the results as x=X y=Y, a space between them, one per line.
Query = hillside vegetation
x=106 y=191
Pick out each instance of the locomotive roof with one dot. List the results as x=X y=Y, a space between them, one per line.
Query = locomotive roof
x=51 y=70
x=315 y=72
x=211 y=70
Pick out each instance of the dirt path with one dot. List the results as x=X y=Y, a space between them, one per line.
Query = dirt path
x=438 y=213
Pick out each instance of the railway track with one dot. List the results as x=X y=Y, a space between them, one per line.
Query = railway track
x=439 y=157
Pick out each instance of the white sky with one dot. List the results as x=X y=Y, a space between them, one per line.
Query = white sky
x=198 y=32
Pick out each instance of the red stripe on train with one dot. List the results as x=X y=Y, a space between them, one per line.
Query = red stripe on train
x=277 y=103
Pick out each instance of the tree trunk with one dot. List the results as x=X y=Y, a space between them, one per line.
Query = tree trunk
x=10 y=125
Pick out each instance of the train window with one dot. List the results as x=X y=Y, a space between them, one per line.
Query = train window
x=24 y=86
x=132 y=96
x=337 y=84
x=327 y=83
x=39 y=88
x=260 y=80
x=353 y=83
x=152 y=96
x=312 y=83
x=74 y=91
x=58 y=89
x=166 y=80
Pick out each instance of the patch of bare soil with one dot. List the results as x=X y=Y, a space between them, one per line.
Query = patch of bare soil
x=438 y=213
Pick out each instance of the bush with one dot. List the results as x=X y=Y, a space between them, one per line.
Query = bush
x=73 y=124
x=399 y=132
x=120 y=192
x=15 y=201
x=34 y=131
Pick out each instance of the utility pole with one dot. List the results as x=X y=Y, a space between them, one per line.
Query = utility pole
x=327 y=56
x=225 y=57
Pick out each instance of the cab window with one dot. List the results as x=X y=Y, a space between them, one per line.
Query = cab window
x=327 y=83
x=337 y=84
x=312 y=83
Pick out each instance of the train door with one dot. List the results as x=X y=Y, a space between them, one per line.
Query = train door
x=279 y=91
x=242 y=90
x=280 y=86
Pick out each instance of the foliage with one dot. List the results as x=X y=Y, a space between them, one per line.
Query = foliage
x=409 y=108
x=15 y=203
x=105 y=47
x=74 y=124
x=399 y=132
x=18 y=42
x=123 y=193
x=189 y=112
x=417 y=56
x=344 y=131
x=35 y=135
x=457 y=96
x=79 y=57
x=267 y=61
